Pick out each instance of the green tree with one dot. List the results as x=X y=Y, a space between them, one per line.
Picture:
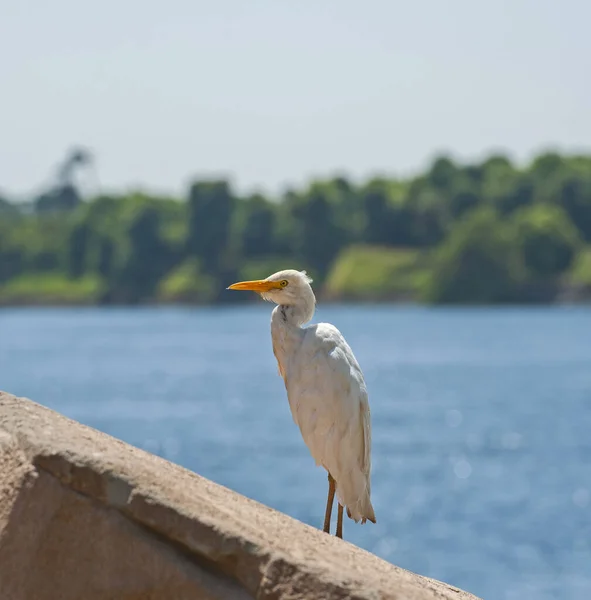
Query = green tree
x=442 y=174
x=548 y=240
x=487 y=232
x=106 y=257
x=346 y=207
x=7 y=208
x=478 y=263
x=210 y=210
x=463 y=200
x=78 y=242
x=575 y=198
x=12 y=257
x=378 y=217
x=188 y=283
x=547 y=165
x=148 y=258
x=60 y=199
x=318 y=238
x=520 y=194
x=428 y=213
x=259 y=228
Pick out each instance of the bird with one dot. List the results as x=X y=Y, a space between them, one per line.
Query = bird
x=326 y=392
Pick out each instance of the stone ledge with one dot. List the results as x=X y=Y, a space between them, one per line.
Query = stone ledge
x=84 y=515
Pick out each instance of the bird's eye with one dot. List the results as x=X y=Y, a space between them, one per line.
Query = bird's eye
x=283 y=283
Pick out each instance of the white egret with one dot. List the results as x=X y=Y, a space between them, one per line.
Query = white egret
x=326 y=392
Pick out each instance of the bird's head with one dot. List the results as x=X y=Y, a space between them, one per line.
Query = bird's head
x=288 y=288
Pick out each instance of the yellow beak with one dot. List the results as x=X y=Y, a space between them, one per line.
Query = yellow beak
x=260 y=286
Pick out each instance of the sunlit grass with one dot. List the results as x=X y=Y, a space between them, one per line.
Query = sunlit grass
x=187 y=283
x=377 y=273
x=51 y=288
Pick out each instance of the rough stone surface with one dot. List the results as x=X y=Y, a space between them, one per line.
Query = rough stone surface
x=83 y=515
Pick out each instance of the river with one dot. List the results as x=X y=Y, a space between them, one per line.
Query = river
x=481 y=423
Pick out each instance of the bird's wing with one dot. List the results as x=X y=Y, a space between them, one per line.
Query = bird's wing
x=328 y=400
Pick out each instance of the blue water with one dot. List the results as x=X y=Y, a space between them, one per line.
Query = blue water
x=481 y=423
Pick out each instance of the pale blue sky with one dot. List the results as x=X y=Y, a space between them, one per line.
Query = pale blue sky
x=274 y=92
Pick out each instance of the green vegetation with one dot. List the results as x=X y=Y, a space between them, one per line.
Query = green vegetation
x=483 y=233
x=51 y=288
x=370 y=272
x=479 y=262
x=580 y=274
x=187 y=283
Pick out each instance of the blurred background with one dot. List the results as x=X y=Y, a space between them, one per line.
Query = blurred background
x=428 y=163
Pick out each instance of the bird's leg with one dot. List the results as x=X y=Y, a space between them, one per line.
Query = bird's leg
x=340 y=522
x=329 y=501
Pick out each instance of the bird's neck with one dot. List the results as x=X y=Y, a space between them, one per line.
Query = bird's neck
x=287 y=320
x=287 y=332
x=286 y=329
x=295 y=315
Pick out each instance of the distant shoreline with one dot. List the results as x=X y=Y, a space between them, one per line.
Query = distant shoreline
x=567 y=297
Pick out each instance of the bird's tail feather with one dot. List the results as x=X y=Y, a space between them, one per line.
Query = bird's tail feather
x=359 y=507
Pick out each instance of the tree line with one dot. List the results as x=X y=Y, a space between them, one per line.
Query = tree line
x=477 y=233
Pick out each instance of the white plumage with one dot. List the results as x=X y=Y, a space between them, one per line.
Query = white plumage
x=325 y=388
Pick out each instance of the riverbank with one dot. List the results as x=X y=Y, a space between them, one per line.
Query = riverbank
x=360 y=274
x=56 y=291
